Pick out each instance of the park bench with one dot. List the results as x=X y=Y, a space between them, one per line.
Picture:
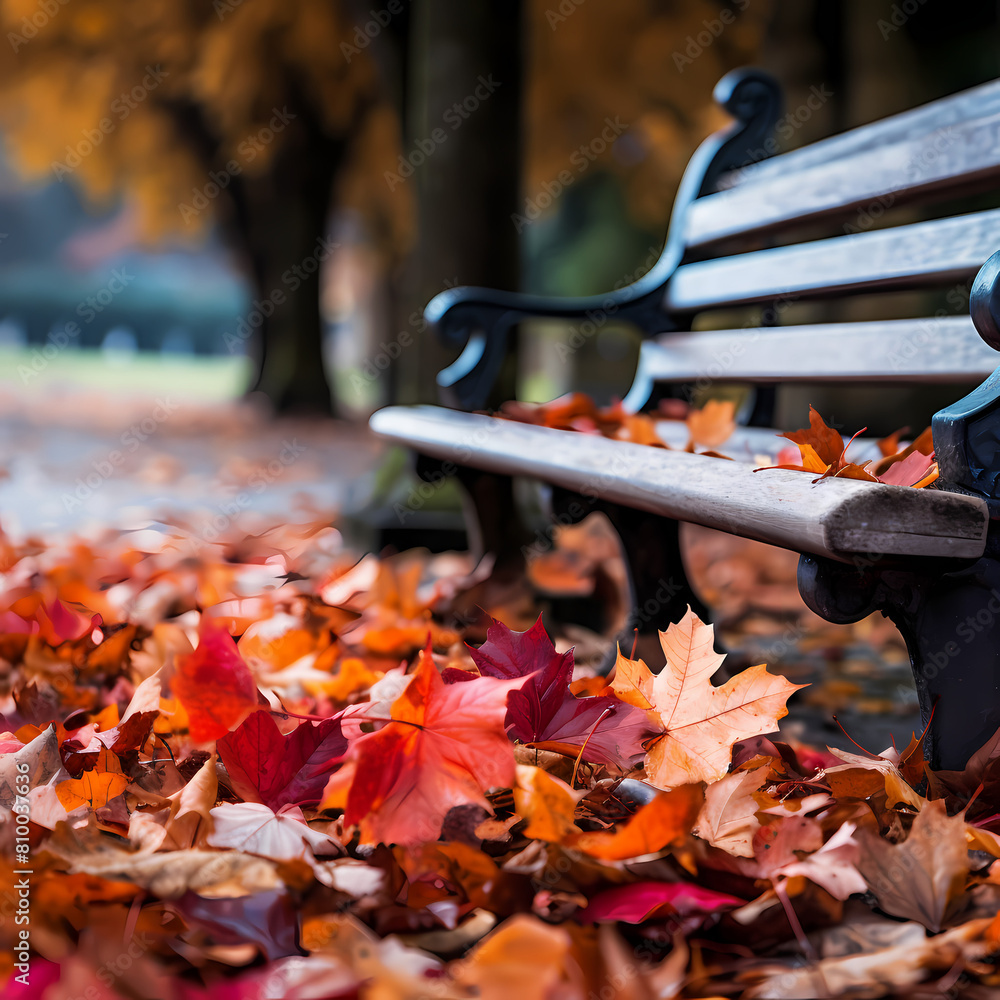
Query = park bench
x=810 y=225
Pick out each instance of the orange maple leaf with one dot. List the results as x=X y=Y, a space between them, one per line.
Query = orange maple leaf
x=822 y=450
x=96 y=787
x=825 y=443
x=699 y=722
x=655 y=826
x=444 y=746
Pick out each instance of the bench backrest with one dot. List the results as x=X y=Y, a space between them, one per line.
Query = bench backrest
x=851 y=215
x=813 y=224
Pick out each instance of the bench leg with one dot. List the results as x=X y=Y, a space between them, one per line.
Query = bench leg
x=492 y=522
x=949 y=618
x=659 y=590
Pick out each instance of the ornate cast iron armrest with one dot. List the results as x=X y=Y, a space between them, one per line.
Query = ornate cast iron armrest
x=480 y=319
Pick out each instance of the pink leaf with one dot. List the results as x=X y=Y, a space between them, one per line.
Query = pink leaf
x=638 y=901
x=907 y=471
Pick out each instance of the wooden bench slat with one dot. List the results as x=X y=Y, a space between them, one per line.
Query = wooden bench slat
x=944 y=350
x=951 y=159
x=833 y=518
x=918 y=255
x=975 y=104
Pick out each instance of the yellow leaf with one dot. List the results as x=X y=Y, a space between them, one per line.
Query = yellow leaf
x=352 y=676
x=546 y=802
x=633 y=682
x=713 y=424
x=94 y=788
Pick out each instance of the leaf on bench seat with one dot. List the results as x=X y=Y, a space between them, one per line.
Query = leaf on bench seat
x=913 y=466
x=822 y=450
x=713 y=424
x=578 y=412
x=911 y=471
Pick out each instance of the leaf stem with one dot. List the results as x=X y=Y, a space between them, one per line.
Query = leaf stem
x=800 y=935
x=593 y=729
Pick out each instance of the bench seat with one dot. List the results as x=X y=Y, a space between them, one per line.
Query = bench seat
x=836 y=518
x=847 y=262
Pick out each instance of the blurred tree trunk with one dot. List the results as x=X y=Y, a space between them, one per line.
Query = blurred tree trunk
x=281 y=217
x=463 y=139
x=278 y=226
x=285 y=238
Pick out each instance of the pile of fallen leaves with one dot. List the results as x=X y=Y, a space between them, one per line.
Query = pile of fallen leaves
x=267 y=770
x=818 y=449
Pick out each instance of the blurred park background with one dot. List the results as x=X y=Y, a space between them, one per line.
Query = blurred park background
x=216 y=215
x=220 y=221
x=219 y=196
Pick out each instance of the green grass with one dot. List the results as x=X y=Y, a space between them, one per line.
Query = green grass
x=207 y=378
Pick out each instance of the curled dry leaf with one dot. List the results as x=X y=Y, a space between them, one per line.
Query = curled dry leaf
x=38 y=761
x=833 y=866
x=171 y=874
x=918 y=878
x=657 y=825
x=861 y=777
x=728 y=819
x=884 y=972
x=546 y=803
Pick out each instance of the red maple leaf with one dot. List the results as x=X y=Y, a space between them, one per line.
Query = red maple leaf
x=267 y=767
x=214 y=685
x=444 y=746
x=545 y=711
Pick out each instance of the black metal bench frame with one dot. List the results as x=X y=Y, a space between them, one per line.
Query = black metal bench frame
x=947 y=608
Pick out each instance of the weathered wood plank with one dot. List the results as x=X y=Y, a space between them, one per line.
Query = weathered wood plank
x=952 y=159
x=975 y=104
x=919 y=255
x=947 y=349
x=834 y=518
